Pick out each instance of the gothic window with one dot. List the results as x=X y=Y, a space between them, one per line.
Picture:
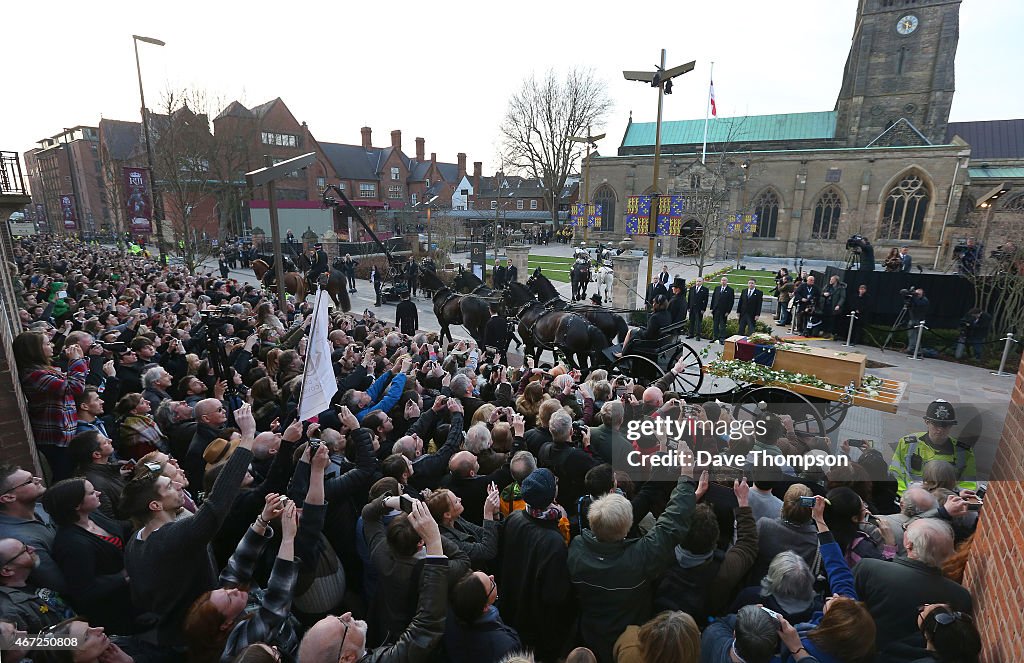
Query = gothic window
x=1015 y=204
x=766 y=207
x=905 y=209
x=694 y=181
x=826 y=215
x=605 y=197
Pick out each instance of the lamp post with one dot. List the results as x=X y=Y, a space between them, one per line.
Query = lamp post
x=661 y=79
x=153 y=197
x=591 y=141
x=743 y=206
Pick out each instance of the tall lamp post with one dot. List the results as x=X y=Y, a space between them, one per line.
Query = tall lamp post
x=149 y=147
x=591 y=142
x=661 y=79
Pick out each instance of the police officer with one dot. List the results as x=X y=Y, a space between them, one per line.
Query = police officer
x=916 y=449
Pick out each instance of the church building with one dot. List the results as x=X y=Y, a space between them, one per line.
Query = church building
x=885 y=163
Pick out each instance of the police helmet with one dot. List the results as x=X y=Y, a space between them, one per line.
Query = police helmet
x=940 y=412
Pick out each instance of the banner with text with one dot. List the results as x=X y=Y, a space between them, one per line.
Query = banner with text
x=67 y=211
x=136 y=186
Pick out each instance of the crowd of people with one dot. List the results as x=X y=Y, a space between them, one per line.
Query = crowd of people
x=444 y=508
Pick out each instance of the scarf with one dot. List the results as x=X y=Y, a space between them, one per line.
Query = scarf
x=547 y=513
x=689 y=560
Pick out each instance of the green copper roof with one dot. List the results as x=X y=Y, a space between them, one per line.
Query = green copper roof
x=996 y=173
x=746 y=129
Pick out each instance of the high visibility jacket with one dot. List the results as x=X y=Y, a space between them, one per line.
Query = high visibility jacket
x=915 y=450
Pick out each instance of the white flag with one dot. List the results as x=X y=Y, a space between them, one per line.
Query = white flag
x=318 y=382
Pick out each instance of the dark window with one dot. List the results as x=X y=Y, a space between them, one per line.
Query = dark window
x=826 y=215
x=695 y=181
x=905 y=209
x=605 y=197
x=766 y=207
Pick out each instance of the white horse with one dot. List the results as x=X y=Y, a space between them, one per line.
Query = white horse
x=605 y=278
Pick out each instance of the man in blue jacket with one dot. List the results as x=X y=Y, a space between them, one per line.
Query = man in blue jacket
x=365 y=402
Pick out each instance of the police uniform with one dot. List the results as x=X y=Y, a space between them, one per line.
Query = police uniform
x=915 y=450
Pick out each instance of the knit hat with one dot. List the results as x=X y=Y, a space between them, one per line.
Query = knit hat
x=538 y=489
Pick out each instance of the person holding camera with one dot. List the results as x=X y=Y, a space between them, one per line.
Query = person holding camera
x=973 y=330
x=919 y=307
x=806 y=298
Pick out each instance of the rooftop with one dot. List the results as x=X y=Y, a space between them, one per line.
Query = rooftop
x=748 y=128
x=991 y=139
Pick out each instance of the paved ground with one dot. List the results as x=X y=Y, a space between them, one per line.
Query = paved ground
x=981 y=399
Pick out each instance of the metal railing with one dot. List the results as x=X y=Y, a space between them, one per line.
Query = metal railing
x=12 y=181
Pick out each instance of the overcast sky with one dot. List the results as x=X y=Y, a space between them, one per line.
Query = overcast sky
x=445 y=70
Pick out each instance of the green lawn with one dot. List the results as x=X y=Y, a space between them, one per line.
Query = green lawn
x=554 y=267
x=763 y=279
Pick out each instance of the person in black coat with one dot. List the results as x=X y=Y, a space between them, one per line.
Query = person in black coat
x=860 y=304
x=412 y=276
x=89 y=548
x=496 y=333
x=749 y=308
x=677 y=305
x=407 y=317
x=721 y=306
x=696 y=304
x=807 y=298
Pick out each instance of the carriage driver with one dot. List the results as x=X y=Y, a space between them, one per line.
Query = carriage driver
x=915 y=450
x=269 y=277
x=317 y=265
x=659 y=319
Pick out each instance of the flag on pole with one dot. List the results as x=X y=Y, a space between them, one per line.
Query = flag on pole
x=318 y=382
x=714 y=109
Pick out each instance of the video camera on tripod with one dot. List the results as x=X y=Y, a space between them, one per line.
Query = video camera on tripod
x=860 y=254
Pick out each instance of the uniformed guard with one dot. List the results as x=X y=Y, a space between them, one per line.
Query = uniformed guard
x=915 y=450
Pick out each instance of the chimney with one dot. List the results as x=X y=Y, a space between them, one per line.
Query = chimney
x=478 y=169
x=433 y=158
x=367 y=144
x=462 y=165
x=396 y=139
x=419 y=149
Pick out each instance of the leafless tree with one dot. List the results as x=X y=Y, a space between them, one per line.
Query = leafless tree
x=541 y=120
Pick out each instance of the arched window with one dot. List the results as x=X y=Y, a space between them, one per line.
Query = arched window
x=766 y=207
x=826 y=215
x=905 y=207
x=605 y=197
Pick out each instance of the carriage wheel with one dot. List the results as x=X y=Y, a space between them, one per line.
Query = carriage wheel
x=806 y=419
x=644 y=371
x=689 y=381
x=832 y=414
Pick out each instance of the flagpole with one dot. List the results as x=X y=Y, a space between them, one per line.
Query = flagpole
x=707 y=111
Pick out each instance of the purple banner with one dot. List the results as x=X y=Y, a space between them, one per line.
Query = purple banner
x=67 y=211
x=41 y=216
x=139 y=210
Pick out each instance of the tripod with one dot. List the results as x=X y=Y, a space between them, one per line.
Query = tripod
x=853 y=259
x=901 y=320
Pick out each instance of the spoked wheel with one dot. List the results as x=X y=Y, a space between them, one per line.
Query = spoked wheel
x=692 y=376
x=643 y=371
x=833 y=413
x=780 y=401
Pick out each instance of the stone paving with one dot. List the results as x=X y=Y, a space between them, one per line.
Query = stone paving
x=981 y=399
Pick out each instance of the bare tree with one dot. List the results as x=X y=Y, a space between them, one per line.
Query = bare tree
x=999 y=285
x=541 y=120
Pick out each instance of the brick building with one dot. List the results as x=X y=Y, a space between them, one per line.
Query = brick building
x=885 y=162
x=68 y=164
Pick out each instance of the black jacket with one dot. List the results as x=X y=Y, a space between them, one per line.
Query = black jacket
x=94 y=569
x=570 y=465
x=407 y=317
x=677 y=307
x=496 y=332
x=420 y=639
x=697 y=300
x=107 y=479
x=722 y=300
x=750 y=305
x=536 y=595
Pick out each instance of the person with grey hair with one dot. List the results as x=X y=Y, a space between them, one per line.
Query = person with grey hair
x=894 y=590
x=751 y=635
x=787 y=588
x=155 y=382
x=462 y=388
x=614 y=576
x=478 y=439
x=175 y=419
x=567 y=462
x=607 y=441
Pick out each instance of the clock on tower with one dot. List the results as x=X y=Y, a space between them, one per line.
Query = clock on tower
x=907 y=24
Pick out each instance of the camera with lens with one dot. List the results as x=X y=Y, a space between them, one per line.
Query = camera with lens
x=217 y=315
x=577 y=432
x=908 y=293
x=857 y=243
x=116 y=347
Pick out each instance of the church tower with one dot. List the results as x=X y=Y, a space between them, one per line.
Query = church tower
x=900 y=66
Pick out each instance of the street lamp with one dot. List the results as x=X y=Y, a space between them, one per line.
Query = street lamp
x=661 y=78
x=149 y=147
x=429 y=204
x=591 y=141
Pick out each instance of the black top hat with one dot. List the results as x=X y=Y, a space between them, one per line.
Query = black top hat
x=596 y=298
x=679 y=282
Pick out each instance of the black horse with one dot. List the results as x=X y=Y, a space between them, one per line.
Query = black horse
x=469 y=283
x=580 y=276
x=612 y=325
x=454 y=309
x=545 y=329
